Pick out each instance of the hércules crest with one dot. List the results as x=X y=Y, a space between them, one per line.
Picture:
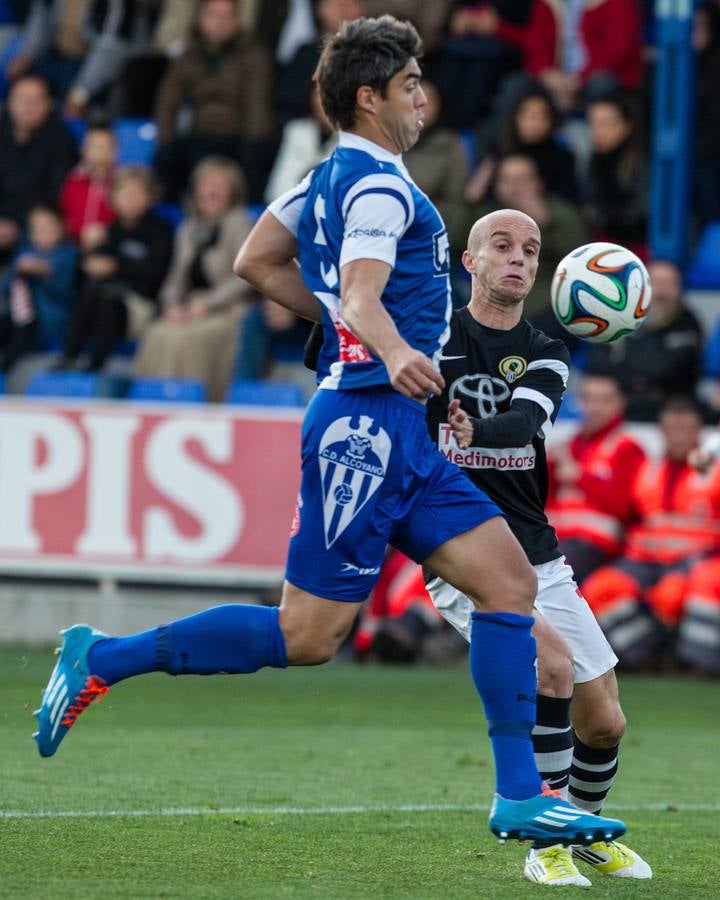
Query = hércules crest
x=512 y=367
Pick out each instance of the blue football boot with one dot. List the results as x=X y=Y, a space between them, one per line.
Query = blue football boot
x=71 y=689
x=548 y=817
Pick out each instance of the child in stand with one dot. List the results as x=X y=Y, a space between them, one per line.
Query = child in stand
x=122 y=276
x=85 y=197
x=37 y=289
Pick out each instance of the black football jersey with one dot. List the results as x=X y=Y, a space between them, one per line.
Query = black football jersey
x=510 y=383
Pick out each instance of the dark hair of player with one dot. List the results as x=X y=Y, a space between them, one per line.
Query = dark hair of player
x=363 y=52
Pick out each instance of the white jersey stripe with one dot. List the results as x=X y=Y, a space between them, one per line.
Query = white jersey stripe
x=392 y=184
x=523 y=393
x=554 y=365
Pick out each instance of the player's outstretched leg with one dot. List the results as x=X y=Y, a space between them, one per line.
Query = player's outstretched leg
x=502 y=651
x=489 y=566
x=235 y=638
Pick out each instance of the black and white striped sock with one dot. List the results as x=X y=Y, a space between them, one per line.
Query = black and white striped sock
x=592 y=773
x=552 y=739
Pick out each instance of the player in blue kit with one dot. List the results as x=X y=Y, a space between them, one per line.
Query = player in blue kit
x=373 y=264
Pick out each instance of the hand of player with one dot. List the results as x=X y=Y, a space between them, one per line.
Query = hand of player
x=461 y=425
x=413 y=374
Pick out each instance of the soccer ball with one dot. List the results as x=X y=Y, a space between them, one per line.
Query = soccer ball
x=600 y=292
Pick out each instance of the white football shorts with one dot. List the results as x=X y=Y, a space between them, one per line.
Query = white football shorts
x=559 y=600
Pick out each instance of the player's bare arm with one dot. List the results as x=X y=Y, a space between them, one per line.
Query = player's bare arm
x=267 y=260
x=362 y=284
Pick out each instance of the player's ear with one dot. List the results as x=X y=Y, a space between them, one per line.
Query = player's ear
x=366 y=98
x=468 y=262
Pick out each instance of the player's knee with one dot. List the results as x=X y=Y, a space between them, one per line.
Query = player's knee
x=605 y=728
x=556 y=674
x=309 y=650
x=524 y=587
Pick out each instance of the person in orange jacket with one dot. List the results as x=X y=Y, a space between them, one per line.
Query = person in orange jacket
x=641 y=598
x=588 y=504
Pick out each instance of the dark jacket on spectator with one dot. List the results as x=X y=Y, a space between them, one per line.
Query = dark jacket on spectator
x=142 y=254
x=616 y=197
x=653 y=365
x=228 y=90
x=33 y=173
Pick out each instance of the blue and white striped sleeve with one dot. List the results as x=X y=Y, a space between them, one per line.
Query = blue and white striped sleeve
x=287 y=207
x=377 y=211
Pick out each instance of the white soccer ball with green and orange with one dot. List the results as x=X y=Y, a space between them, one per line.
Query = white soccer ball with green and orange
x=601 y=292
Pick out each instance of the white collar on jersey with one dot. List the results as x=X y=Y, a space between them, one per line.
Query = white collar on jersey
x=355 y=142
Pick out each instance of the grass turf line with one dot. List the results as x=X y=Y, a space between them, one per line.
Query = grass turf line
x=338 y=736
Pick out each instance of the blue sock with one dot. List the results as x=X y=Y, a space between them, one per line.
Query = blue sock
x=233 y=639
x=502 y=657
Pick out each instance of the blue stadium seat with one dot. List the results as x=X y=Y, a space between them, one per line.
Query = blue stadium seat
x=265 y=393
x=167 y=390
x=65 y=384
x=254 y=211
x=77 y=128
x=3 y=388
x=171 y=212
x=704 y=270
x=469 y=142
x=137 y=140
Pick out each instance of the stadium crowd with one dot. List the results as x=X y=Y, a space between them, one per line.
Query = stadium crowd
x=114 y=263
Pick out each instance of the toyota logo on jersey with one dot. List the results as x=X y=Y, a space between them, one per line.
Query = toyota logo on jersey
x=483 y=390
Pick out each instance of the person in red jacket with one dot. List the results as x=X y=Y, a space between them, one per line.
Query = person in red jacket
x=588 y=504
x=585 y=47
x=85 y=197
x=640 y=599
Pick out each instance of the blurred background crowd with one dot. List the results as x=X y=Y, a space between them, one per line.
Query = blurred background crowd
x=139 y=140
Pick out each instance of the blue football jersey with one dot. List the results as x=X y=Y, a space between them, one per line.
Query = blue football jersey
x=361 y=203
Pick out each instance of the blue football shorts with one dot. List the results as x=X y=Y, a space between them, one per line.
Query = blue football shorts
x=371 y=476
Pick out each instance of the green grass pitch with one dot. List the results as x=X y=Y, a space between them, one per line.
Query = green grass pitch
x=219 y=771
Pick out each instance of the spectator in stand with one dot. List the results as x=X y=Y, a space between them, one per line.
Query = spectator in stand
x=660 y=359
x=225 y=78
x=706 y=44
x=589 y=498
x=438 y=163
x=640 y=599
x=36 y=154
x=85 y=198
x=615 y=206
x=292 y=82
x=118 y=296
x=135 y=90
x=471 y=60
x=305 y=143
x=52 y=43
x=579 y=50
x=517 y=185
x=203 y=302
x=81 y=46
x=530 y=128
x=37 y=289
